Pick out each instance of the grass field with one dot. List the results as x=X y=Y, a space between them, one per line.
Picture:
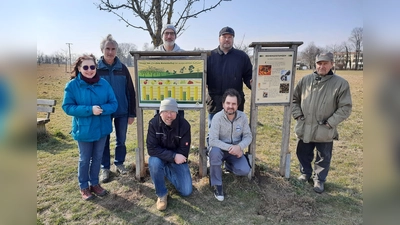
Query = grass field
x=266 y=199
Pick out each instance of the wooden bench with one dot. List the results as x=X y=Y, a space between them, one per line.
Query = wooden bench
x=44 y=108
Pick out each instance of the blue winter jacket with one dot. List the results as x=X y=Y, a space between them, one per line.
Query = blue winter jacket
x=79 y=98
x=120 y=80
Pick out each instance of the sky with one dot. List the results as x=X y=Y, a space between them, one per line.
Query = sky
x=80 y=22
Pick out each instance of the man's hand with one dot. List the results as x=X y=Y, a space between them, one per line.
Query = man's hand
x=235 y=150
x=179 y=159
x=131 y=120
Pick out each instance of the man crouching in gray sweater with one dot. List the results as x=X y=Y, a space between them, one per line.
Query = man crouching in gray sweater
x=229 y=135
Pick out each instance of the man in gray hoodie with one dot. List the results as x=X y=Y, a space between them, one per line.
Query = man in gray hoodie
x=229 y=135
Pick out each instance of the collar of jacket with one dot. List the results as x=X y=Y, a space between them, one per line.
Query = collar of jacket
x=84 y=83
x=117 y=65
x=220 y=52
x=322 y=78
x=237 y=115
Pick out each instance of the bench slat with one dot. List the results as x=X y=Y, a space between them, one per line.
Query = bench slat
x=46 y=102
x=48 y=109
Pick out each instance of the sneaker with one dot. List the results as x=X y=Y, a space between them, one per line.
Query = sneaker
x=104 y=175
x=162 y=202
x=121 y=169
x=218 y=192
x=304 y=178
x=318 y=186
x=86 y=194
x=98 y=190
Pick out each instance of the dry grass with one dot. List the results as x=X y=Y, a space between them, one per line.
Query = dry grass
x=267 y=199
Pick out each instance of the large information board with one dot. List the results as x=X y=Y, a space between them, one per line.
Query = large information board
x=181 y=79
x=274 y=74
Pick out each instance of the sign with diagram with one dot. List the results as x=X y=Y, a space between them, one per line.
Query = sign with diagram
x=274 y=77
x=181 y=79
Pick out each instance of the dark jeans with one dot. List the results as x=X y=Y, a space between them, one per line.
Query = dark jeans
x=120 y=127
x=305 y=154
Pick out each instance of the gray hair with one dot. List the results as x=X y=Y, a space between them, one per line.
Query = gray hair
x=109 y=38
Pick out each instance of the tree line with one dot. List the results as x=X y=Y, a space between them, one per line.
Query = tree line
x=342 y=51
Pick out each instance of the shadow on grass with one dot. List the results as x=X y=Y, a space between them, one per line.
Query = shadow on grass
x=54 y=143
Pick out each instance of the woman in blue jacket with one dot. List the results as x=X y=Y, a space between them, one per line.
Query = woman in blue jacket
x=90 y=101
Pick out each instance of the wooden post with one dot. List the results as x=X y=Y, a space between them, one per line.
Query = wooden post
x=140 y=170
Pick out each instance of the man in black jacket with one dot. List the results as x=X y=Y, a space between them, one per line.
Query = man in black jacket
x=168 y=145
x=227 y=67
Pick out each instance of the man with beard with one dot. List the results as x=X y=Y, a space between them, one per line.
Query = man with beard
x=168 y=145
x=321 y=101
x=169 y=36
x=229 y=135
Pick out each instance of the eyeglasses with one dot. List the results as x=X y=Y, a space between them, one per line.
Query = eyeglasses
x=92 y=67
x=169 y=33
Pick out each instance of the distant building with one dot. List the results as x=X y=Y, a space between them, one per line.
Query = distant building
x=342 y=63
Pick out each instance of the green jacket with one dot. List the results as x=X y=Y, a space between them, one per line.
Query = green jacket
x=320 y=102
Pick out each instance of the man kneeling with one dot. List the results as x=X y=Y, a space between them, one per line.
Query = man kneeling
x=168 y=145
x=229 y=135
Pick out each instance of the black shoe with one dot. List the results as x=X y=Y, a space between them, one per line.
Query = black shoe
x=318 y=186
x=304 y=178
x=218 y=192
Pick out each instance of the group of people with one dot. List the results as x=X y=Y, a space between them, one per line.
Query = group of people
x=101 y=92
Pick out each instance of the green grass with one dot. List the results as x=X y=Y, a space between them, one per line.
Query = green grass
x=266 y=199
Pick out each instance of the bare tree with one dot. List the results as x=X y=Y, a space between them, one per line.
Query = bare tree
x=40 y=57
x=123 y=53
x=155 y=13
x=356 y=38
x=309 y=54
x=243 y=47
x=347 y=49
x=147 y=47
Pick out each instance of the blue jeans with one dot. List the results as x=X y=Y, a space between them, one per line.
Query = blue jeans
x=90 y=154
x=121 y=127
x=322 y=164
x=178 y=174
x=239 y=166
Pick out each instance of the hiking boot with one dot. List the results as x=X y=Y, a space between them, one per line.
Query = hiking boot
x=304 y=178
x=104 y=175
x=121 y=169
x=86 y=194
x=98 y=190
x=218 y=192
x=318 y=186
x=162 y=202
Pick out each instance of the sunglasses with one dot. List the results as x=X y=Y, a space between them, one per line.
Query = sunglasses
x=92 y=67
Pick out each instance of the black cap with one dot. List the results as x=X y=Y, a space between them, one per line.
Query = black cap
x=227 y=30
